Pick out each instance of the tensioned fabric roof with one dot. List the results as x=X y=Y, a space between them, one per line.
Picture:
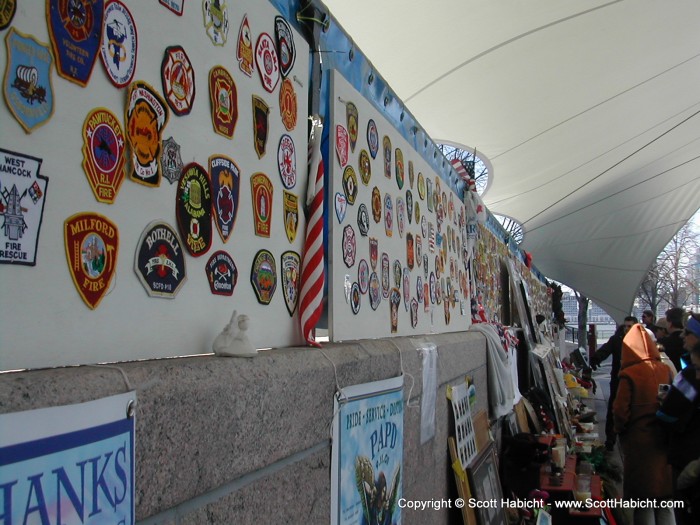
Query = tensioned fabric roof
x=589 y=113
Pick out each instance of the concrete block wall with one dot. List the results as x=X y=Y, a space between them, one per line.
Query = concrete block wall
x=225 y=440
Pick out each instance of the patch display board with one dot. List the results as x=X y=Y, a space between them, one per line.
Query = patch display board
x=44 y=319
x=396 y=231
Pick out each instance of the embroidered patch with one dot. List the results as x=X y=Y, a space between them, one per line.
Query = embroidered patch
x=419 y=248
x=385 y=275
x=399 y=168
x=376 y=205
x=424 y=226
x=267 y=63
x=177 y=76
x=92 y=249
x=216 y=20
x=425 y=265
x=363 y=220
x=373 y=252
x=341 y=144
x=22 y=197
x=291 y=215
x=421 y=186
x=363 y=275
x=261 y=111
x=176 y=6
x=349 y=246
x=290 y=263
x=146 y=116
x=351 y=117
x=244 y=49
x=287 y=162
x=350 y=184
x=284 y=38
x=400 y=215
x=419 y=288
x=263 y=276
x=388 y=215
x=262 y=189
x=410 y=253
x=406 y=288
x=355 y=298
x=7 y=12
x=365 y=167
x=75 y=28
x=119 y=47
x=397 y=273
x=341 y=206
x=171 y=160
x=411 y=174
x=160 y=261
x=27 y=83
x=375 y=294
x=386 y=143
x=103 y=154
x=414 y=313
x=288 y=105
x=193 y=209
x=395 y=301
x=225 y=185
x=409 y=205
x=372 y=138
x=429 y=194
x=222 y=273
x=417 y=216
x=223 y=95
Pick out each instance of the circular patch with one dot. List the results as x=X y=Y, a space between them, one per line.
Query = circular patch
x=177 y=76
x=267 y=62
x=376 y=205
x=421 y=186
x=287 y=161
x=355 y=298
x=372 y=138
x=363 y=275
x=222 y=273
x=349 y=246
x=363 y=220
x=263 y=276
x=119 y=47
x=375 y=296
x=365 y=167
x=399 y=168
x=350 y=184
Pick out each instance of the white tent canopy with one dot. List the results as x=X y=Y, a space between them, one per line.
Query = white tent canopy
x=589 y=113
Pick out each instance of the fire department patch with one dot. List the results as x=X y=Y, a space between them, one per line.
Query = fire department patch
x=363 y=275
x=222 y=273
x=160 y=261
x=355 y=298
x=261 y=111
x=429 y=194
x=385 y=275
x=27 y=83
x=341 y=144
x=262 y=189
x=291 y=215
x=363 y=220
x=397 y=273
x=350 y=184
x=193 y=209
x=171 y=160
x=7 y=12
x=399 y=168
x=406 y=288
x=119 y=47
x=266 y=62
x=146 y=116
x=376 y=205
x=75 y=28
x=388 y=215
x=284 y=38
x=365 y=167
x=352 y=117
x=414 y=313
x=288 y=105
x=373 y=252
x=22 y=197
x=411 y=174
x=349 y=246
x=290 y=263
x=341 y=206
x=225 y=185
x=244 y=49
x=287 y=162
x=395 y=301
x=410 y=251
x=176 y=6
x=375 y=294
x=216 y=20
x=421 y=186
x=103 y=154
x=178 y=80
x=92 y=247
x=409 y=205
x=386 y=147
x=419 y=248
x=263 y=276
x=372 y=138
x=400 y=215
x=224 y=101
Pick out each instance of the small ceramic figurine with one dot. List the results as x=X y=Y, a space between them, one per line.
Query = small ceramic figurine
x=233 y=340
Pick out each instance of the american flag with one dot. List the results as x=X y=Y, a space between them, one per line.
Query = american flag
x=312 y=273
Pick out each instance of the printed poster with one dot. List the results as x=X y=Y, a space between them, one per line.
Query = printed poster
x=367 y=459
x=69 y=464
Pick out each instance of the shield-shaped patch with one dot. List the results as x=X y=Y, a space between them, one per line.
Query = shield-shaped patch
x=160 y=261
x=224 y=101
x=261 y=111
x=103 y=154
x=261 y=189
x=289 y=267
x=222 y=273
x=291 y=215
x=263 y=276
x=193 y=209
x=225 y=184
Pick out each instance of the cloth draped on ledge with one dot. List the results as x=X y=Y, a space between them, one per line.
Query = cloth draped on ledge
x=500 y=382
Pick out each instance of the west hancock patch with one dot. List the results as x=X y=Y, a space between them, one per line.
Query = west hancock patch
x=193 y=209
x=27 y=83
x=92 y=247
x=290 y=262
x=119 y=47
x=261 y=189
x=160 y=261
x=222 y=273
x=103 y=154
x=178 y=80
x=225 y=182
x=224 y=101
x=22 y=197
x=75 y=28
x=263 y=276
x=146 y=116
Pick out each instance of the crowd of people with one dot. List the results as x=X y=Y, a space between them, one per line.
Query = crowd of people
x=654 y=411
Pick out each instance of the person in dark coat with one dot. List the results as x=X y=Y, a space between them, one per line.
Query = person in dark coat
x=673 y=342
x=634 y=413
x=613 y=347
x=649 y=319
